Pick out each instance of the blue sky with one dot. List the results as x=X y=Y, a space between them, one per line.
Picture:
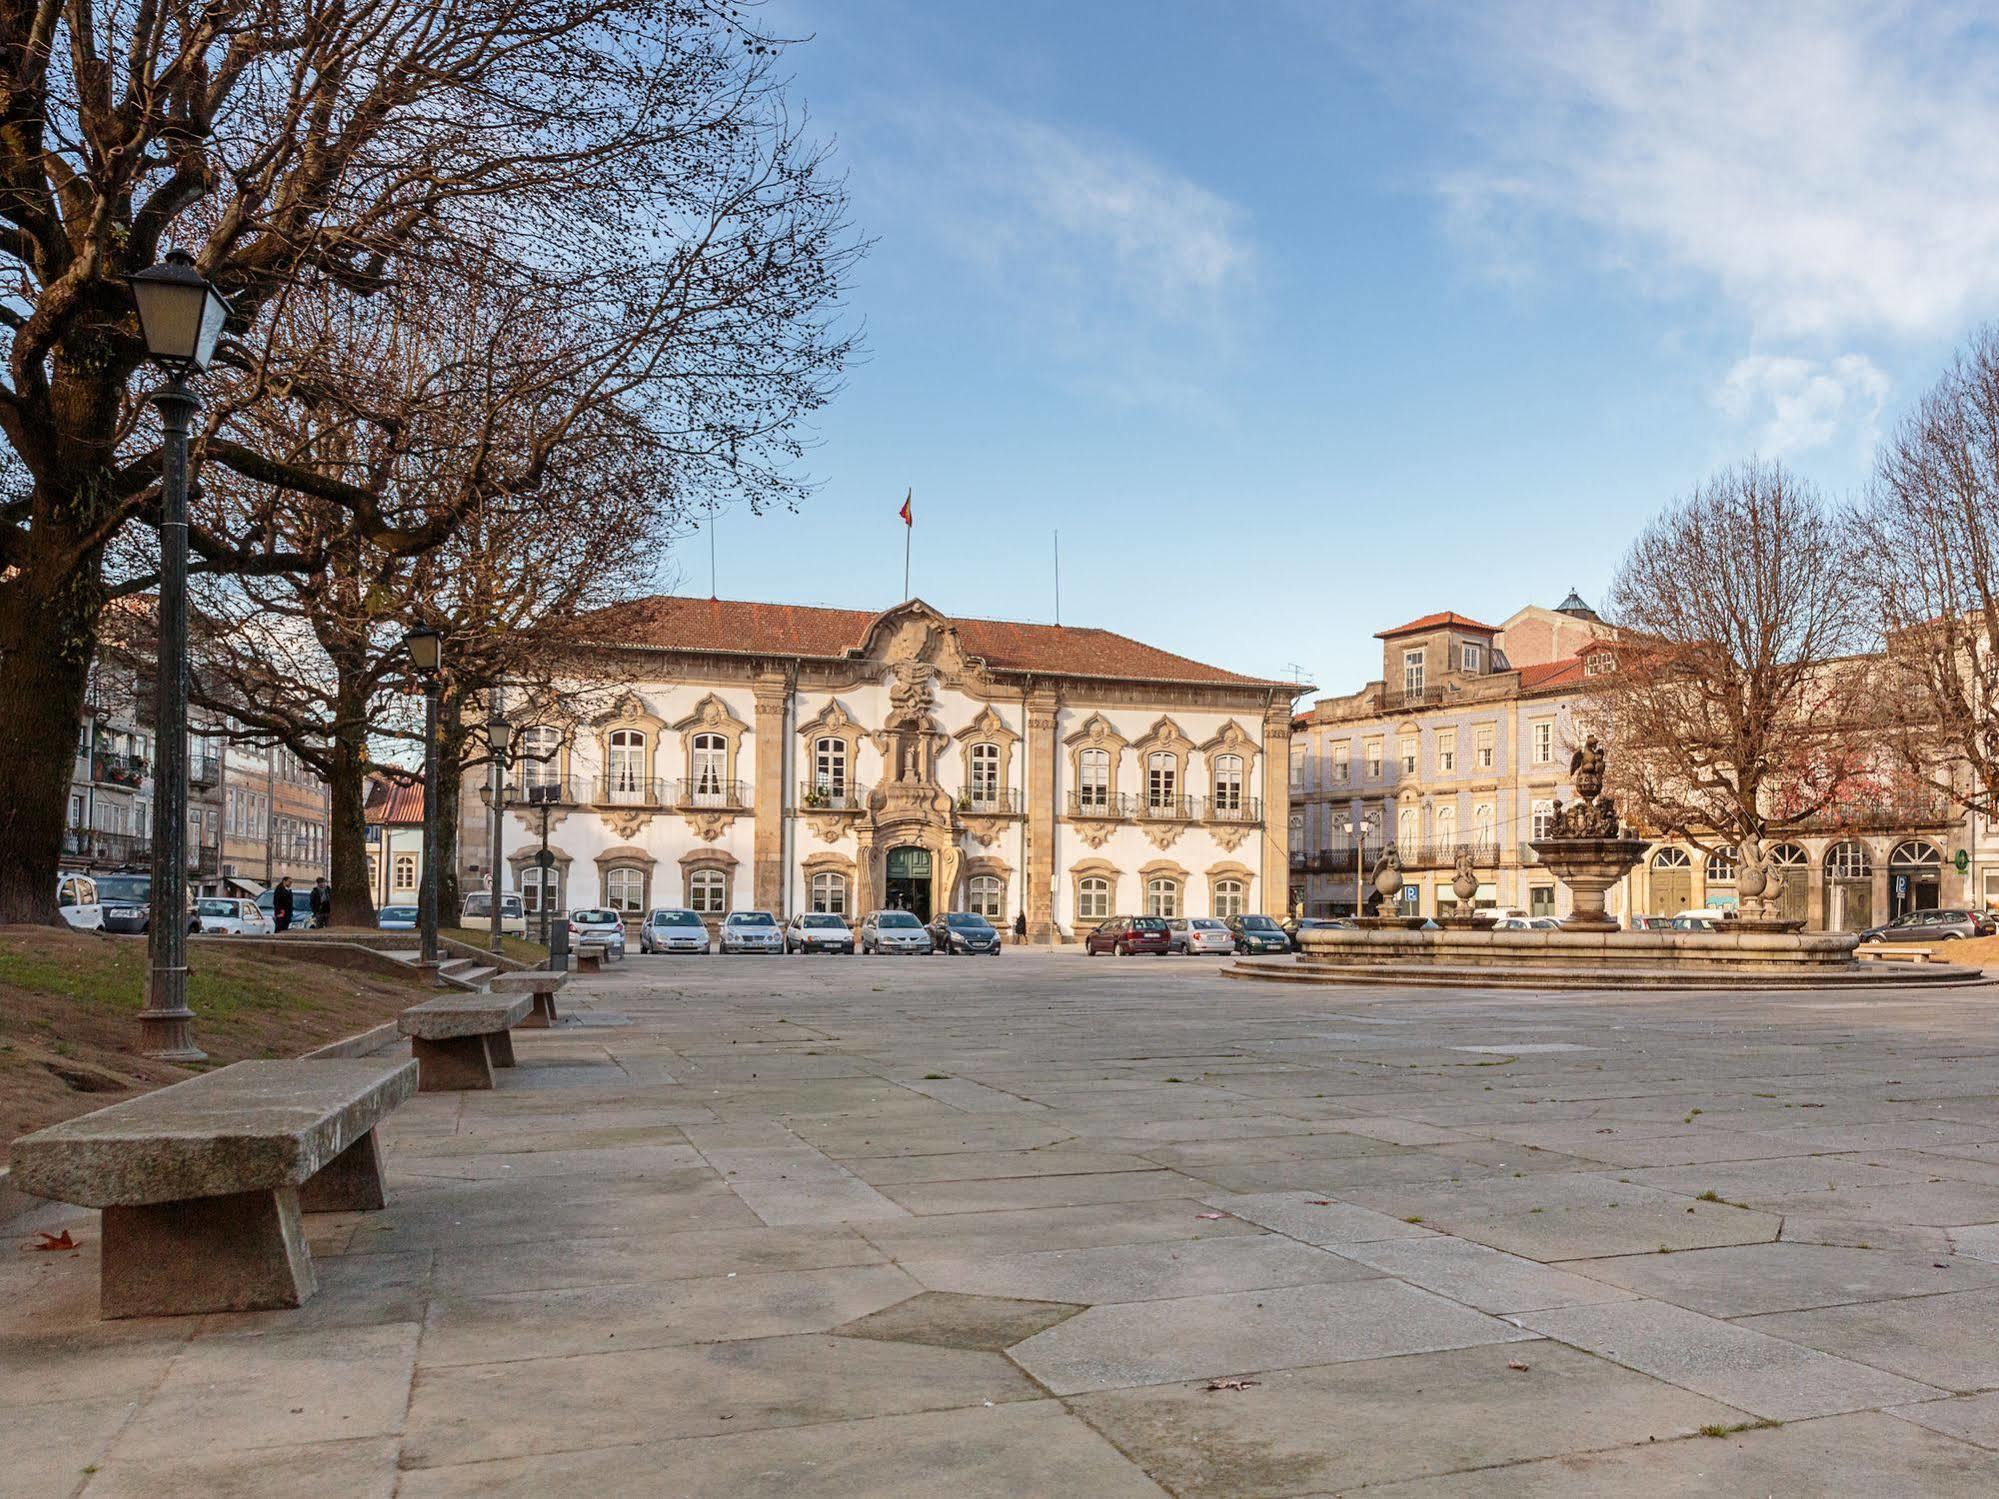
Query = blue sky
x=1299 y=320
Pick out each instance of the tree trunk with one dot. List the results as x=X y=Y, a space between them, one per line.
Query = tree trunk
x=347 y=791
x=450 y=782
x=48 y=635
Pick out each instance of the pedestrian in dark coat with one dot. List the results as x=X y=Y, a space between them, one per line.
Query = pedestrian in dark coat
x=320 y=899
x=281 y=904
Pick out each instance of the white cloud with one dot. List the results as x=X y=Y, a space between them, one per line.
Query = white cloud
x=1829 y=168
x=1799 y=404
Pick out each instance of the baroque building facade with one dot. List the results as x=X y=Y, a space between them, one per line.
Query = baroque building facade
x=787 y=758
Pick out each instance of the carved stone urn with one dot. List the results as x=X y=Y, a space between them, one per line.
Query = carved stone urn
x=1589 y=867
x=1388 y=881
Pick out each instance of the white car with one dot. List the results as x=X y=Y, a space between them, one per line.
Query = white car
x=598 y=924
x=477 y=913
x=1526 y=924
x=751 y=931
x=673 y=930
x=895 y=932
x=76 y=898
x=227 y=916
x=1195 y=935
x=397 y=918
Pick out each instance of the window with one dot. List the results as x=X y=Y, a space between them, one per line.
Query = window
x=986 y=894
x=1482 y=747
x=1297 y=765
x=1162 y=897
x=1848 y=861
x=1297 y=830
x=539 y=749
x=532 y=883
x=1230 y=898
x=1596 y=663
x=1371 y=758
x=1482 y=823
x=1228 y=783
x=1342 y=763
x=1093 y=790
x=1672 y=858
x=711 y=766
x=628 y=764
x=1474 y=657
x=708 y=892
x=625 y=891
x=1162 y=779
x=1412 y=673
x=1408 y=830
x=1543 y=815
x=1544 y=741
x=1541 y=900
x=1447 y=826
x=1447 y=751
x=1093 y=899
x=1721 y=867
x=985 y=774
x=829 y=892
x=404 y=872
x=1408 y=751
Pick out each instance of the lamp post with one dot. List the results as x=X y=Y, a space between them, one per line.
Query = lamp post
x=499 y=734
x=180 y=315
x=426 y=652
x=1357 y=830
x=545 y=798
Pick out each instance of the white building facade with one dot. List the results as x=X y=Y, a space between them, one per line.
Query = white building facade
x=783 y=758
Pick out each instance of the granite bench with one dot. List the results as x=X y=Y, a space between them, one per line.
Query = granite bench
x=539 y=984
x=1894 y=952
x=458 y=1039
x=202 y=1183
x=590 y=956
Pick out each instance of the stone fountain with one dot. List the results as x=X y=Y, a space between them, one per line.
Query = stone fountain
x=1585 y=848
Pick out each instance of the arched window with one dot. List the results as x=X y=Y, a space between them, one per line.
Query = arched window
x=829 y=892
x=405 y=872
x=986 y=894
x=1914 y=854
x=708 y=892
x=1789 y=856
x=829 y=765
x=1162 y=897
x=1162 y=780
x=1407 y=831
x=627 y=769
x=1093 y=786
x=625 y=891
x=1543 y=816
x=1228 y=783
x=985 y=774
x=533 y=882
x=1447 y=827
x=1483 y=822
x=711 y=768
x=1229 y=898
x=1721 y=867
x=540 y=752
x=1093 y=899
x=1848 y=861
x=1672 y=858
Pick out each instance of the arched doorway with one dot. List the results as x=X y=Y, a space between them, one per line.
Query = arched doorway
x=1915 y=877
x=1849 y=887
x=1672 y=882
x=906 y=881
x=1795 y=865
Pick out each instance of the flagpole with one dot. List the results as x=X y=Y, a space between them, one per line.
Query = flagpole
x=908 y=531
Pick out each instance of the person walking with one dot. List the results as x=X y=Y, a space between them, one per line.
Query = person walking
x=281 y=904
x=320 y=901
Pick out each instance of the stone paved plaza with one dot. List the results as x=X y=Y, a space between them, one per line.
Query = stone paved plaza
x=994 y=1228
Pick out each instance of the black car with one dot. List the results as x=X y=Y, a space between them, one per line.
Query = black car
x=128 y=903
x=1254 y=934
x=963 y=932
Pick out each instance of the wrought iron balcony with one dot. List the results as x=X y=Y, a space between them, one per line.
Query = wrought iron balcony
x=1442 y=853
x=1233 y=809
x=832 y=796
x=203 y=771
x=632 y=791
x=110 y=769
x=704 y=792
x=999 y=801
x=1153 y=807
x=1885 y=815
x=1097 y=803
x=521 y=793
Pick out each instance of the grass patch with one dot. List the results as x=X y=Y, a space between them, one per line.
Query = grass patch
x=1716 y=1429
x=936 y=1077
x=518 y=948
x=1710 y=1195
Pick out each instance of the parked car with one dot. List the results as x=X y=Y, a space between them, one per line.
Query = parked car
x=1194 y=935
x=1299 y=924
x=1649 y=923
x=1125 y=935
x=1258 y=934
x=598 y=924
x=1930 y=926
x=76 y=898
x=230 y=916
x=396 y=918
x=128 y=903
x=751 y=931
x=673 y=930
x=1698 y=921
x=818 y=931
x=886 y=932
x=1526 y=924
x=478 y=912
x=964 y=932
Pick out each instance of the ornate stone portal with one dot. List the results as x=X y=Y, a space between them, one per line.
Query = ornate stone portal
x=910 y=810
x=1585 y=848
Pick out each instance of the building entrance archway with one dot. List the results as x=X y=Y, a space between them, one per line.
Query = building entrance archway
x=906 y=881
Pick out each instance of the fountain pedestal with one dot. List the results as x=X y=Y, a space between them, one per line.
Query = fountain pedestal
x=1589 y=867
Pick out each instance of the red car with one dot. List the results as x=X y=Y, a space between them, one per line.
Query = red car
x=1125 y=935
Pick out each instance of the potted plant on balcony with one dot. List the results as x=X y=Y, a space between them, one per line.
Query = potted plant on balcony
x=818 y=796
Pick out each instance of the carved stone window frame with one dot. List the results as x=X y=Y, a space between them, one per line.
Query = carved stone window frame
x=1165 y=737
x=710 y=716
x=1242 y=874
x=521 y=860
x=988 y=728
x=625 y=856
x=1097 y=732
x=628 y=712
x=831 y=722
x=722 y=862
x=1171 y=872
x=1231 y=739
x=827 y=863
x=1101 y=869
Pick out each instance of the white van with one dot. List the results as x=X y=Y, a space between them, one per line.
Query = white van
x=478 y=913
x=76 y=898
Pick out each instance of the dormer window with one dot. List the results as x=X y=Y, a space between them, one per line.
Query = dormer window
x=1412 y=673
x=1596 y=663
x=1474 y=657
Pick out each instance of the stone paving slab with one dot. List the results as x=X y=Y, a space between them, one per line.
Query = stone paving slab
x=1142 y=1272
x=1743 y=1280
x=1950 y=1340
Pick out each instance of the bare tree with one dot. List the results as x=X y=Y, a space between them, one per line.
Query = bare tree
x=1930 y=557
x=1733 y=695
x=632 y=160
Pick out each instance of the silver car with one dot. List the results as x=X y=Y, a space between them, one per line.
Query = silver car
x=752 y=931
x=673 y=930
x=1195 y=935
x=895 y=932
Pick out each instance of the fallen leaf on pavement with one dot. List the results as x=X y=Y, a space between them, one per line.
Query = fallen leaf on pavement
x=1232 y=1384
x=51 y=1241
x=1318 y=1202
x=1514 y=1363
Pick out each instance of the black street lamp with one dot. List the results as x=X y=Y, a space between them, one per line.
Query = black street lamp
x=425 y=647
x=499 y=734
x=1357 y=830
x=180 y=315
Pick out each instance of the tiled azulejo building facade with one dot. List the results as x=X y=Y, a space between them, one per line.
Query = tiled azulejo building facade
x=785 y=758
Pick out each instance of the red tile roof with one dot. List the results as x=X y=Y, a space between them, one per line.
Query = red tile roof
x=1545 y=674
x=399 y=802
x=1432 y=621
x=744 y=628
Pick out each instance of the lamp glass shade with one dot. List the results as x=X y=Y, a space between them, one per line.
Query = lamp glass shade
x=426 y=648
x=499 y=733
x=180 y=314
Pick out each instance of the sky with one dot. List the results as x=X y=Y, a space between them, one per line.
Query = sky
x=1297 y=321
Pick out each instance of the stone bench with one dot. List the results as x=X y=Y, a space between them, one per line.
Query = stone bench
x=539 y=984
x=1901 y=952
x=458 y=1039
x=201 y=1184
x=590 y=956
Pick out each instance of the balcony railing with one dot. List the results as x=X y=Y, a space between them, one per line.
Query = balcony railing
x=1887 y=815
x=1422 y=697
x=703 y=792
x=203 y=771
x=1442 y=853
x=1003 y=801
x=1157 y=808
x=1233 y=809
x=109 y=769
x=832 y=796
x=523 y=793
x=100 y=850
x=1098 y=804
x=631 y=791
